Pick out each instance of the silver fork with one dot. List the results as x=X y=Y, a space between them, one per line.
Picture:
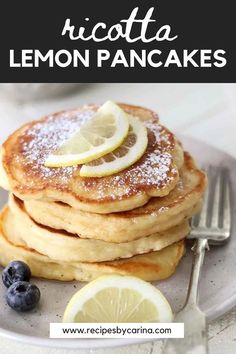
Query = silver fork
x=212 y=227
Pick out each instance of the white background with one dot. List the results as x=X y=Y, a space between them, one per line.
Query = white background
x=203 y=111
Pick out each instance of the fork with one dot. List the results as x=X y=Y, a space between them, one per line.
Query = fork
x=211 y=227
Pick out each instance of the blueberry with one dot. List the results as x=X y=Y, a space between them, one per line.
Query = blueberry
x=23 y=296
x=15 y=271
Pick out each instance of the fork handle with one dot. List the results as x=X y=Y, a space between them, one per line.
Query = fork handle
x=194 y=341
x=199 y=247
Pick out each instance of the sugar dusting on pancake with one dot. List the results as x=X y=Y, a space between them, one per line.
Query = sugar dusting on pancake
x=155 y=168
x=46 y=136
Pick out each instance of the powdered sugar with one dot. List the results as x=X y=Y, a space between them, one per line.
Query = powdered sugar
x=154 y=170
x=43 y=138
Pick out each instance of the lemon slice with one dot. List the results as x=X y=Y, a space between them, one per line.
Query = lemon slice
x=117 y=299
x=127 y=154
x=103 y=133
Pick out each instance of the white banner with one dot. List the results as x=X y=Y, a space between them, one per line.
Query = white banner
x=117 y=330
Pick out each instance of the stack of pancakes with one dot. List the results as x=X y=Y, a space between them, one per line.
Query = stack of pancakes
x=70 y=227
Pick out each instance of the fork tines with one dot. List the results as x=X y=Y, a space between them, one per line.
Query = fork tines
x=214 y=221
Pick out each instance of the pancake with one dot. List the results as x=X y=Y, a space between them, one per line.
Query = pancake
x=152 y=266
x=24 y=153
x=62 y=246
x=158 y=215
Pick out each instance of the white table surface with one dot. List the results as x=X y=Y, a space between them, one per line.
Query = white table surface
x=203 y=111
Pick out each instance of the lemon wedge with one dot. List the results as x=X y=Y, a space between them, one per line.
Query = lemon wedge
x=103 y=133
x=131 y=150
x=117 y=299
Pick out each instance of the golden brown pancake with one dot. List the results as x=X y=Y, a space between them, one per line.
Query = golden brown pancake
x=158 y=215
x=24 y=153
x=62 y=246
x=151 y=266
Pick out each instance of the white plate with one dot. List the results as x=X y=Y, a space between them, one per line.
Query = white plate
x=217 y=290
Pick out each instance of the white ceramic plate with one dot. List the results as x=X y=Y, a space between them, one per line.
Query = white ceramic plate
x=217 y=290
